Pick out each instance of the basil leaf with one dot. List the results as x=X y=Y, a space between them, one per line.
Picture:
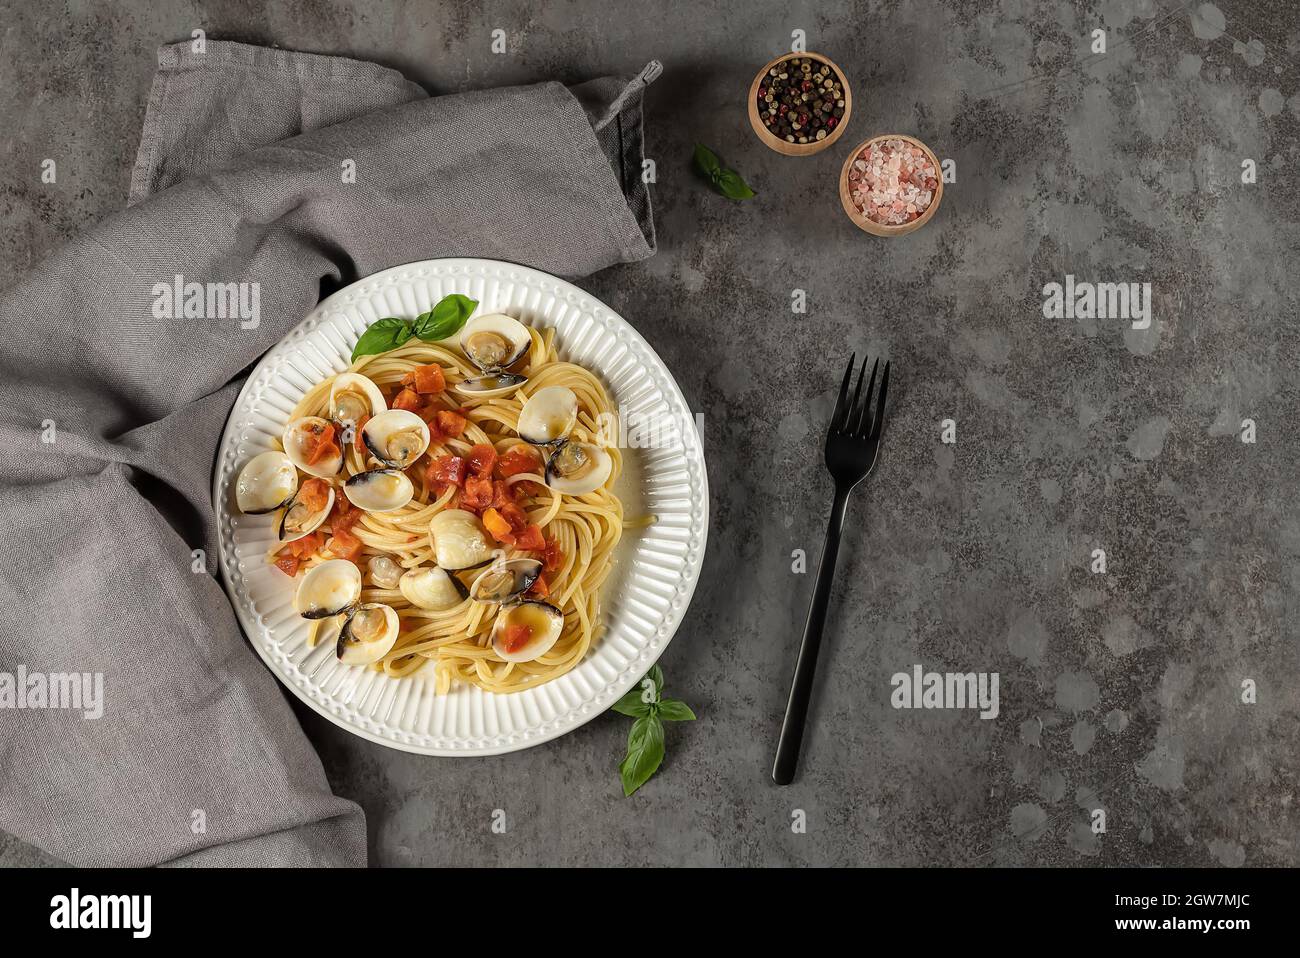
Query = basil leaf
x=657 y=674
x=381 y=336
x=632 y=705
x=445 y=319
x=675 y=710
x=730 y=185
x=645 y=753
x=706 y=161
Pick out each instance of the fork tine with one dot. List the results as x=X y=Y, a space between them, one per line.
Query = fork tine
x=855 y=408
x=880 y=405
x=861 y=418
x=840 y=417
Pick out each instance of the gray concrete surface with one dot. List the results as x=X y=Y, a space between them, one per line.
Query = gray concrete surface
x=1119 y=690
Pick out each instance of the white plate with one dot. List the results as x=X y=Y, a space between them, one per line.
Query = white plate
x=643 y=602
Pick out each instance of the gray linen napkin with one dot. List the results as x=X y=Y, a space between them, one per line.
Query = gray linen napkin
x=110 y=411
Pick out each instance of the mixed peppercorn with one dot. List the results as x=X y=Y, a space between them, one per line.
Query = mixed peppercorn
x=801 y=100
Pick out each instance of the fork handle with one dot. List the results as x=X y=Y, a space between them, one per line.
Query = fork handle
x=796 y=710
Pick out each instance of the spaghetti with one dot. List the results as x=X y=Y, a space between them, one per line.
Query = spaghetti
x=580 y=532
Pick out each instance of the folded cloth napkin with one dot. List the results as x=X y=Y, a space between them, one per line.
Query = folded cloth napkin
x=298 y=173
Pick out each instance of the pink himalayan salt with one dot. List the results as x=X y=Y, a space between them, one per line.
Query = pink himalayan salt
x=892 y=182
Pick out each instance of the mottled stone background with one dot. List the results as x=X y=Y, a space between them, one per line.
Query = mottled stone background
x=1119 y=690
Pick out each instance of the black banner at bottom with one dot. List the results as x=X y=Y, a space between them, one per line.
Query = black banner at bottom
x=214 y=906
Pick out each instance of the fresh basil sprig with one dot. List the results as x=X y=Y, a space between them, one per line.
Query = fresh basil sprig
x=443 y=321
x=725 y=181
x=645 y=742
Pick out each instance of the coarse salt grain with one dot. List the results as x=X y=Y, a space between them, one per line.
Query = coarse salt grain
x=892 y=182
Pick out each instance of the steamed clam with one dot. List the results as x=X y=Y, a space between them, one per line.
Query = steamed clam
x=396 y=438
x=459 y=540
x=368 y=635
x=332 y=587
x=526 y=630
x=354 y=397
x=431 y=588
x=307 y=510
x=385 y=573
x=495 y=342
x=577 y=468
x=266 y=482
x=505 y=580
x=379 y=490
x=311 y=443
x=548 y=416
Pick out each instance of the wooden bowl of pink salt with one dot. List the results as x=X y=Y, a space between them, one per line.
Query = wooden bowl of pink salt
x=891 y=185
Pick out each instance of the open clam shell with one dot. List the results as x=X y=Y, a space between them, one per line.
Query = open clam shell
x=526 y=630
x=503 y=581
x=548 y=416
x=368 y=635
x=396 y=438
x=301 y=439
x=266 y=482
x=379 y=490
x=332 y=587
x=495 y=341
x=354 y=397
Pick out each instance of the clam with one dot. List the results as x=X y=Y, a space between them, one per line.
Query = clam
x=505 y=580
x=332 y=587
x=384 y=572
x=267 y=482
x=548 y=416
x=526 y=630
x=396 y=438
x=577 y=468
x=300 y=518
x=302 y=439
x=379 y=490
x=431 y=589
x=493 y=384
x=368 y=635
x=459 y=540
x=353 y=397
x=495 y=342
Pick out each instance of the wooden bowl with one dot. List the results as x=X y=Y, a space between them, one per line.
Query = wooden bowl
x=798 y=149
x=880 y=229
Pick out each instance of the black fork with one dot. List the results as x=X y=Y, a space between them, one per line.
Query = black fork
x=851 y=446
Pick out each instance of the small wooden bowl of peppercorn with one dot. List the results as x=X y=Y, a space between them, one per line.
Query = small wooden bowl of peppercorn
x=799 y=104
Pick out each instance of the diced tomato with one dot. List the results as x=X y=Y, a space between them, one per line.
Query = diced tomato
x=496 y=524
x=346 y=545
x=552 y=557
x=445 y=470
x=358 y=443
x=514 y=515
x=540 y=587
x=451 y=423
x=288 y=564
x=519 y=459
x=314 y=493
x=428 y=379
x=477 y=493
x=408 y=399
x=344 y=516
x=324 y=445
x=501 y=494
x=531 y=539
x=307 y=546
x=482 y=458
x=516 y=637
